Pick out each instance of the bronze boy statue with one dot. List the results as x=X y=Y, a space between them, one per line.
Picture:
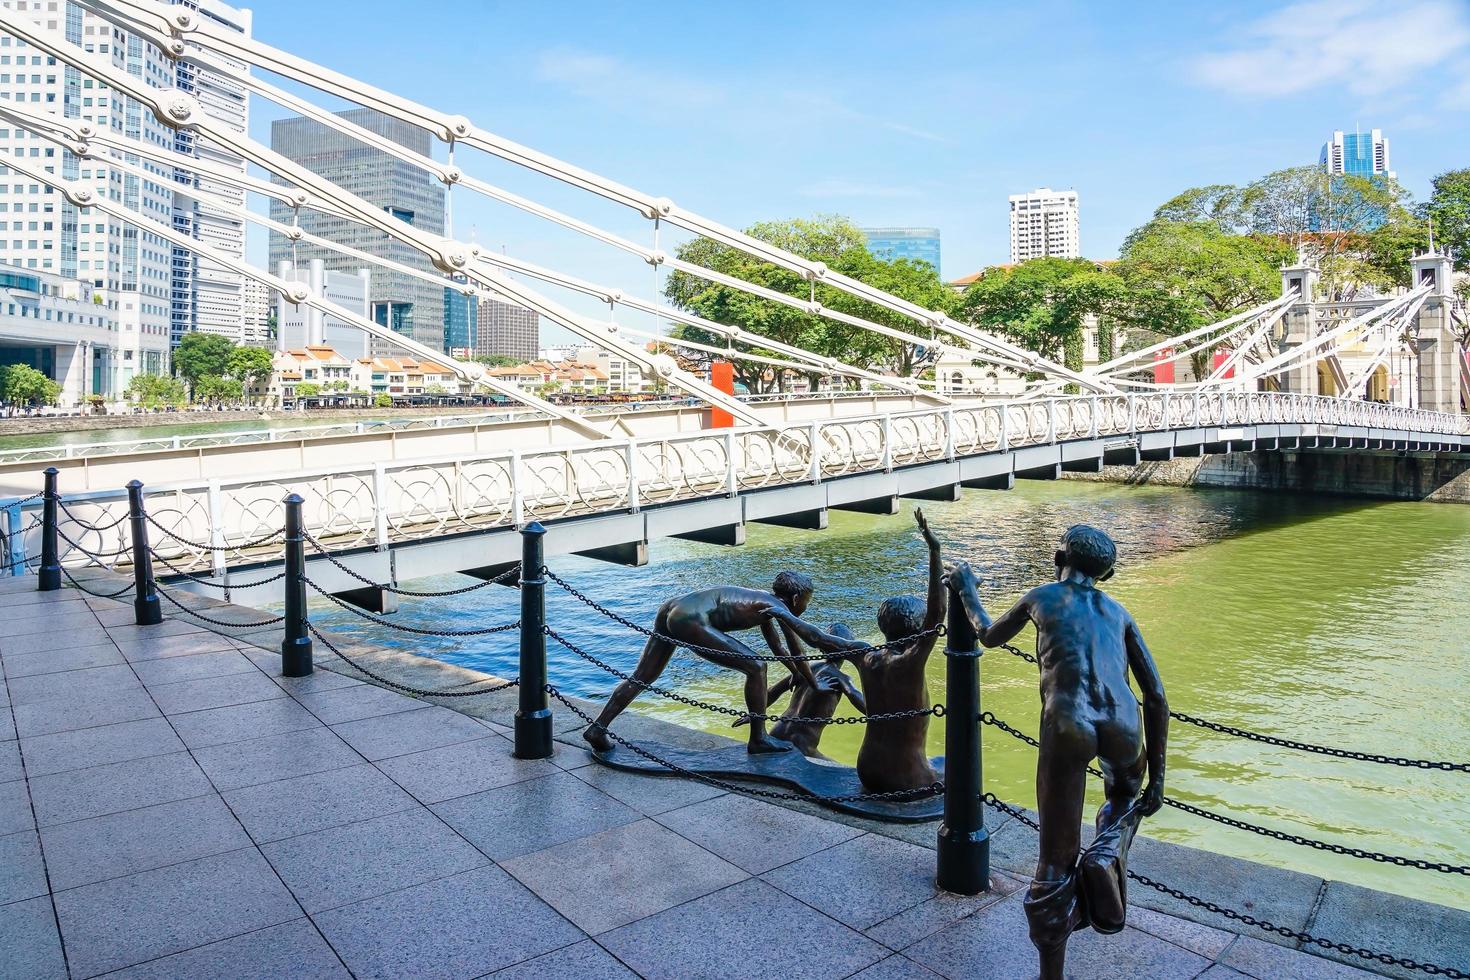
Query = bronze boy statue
x=706 y=619
x=1086 y=643
x=892 y=756
x=817 y=703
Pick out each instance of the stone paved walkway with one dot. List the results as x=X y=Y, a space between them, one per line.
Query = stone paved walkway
x=170 y=807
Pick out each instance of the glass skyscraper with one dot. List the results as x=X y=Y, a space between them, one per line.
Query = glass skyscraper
x=1356 y=154
x=914 y=244
x=461 y=320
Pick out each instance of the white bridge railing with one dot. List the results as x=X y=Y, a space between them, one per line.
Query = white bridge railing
x=379 y=504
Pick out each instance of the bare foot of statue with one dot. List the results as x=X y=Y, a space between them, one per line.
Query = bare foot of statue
x=765 y=744
x=596 y=737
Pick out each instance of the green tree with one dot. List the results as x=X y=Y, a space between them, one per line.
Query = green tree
x=214 y=390
x=435 y=389
x=383 y=400
x=1042 y=304
x=21 y=384
x=251 y=365
x=155 y=391
x=1449 y=209
x=496 y=360
x=200 y=355
x=308 y=389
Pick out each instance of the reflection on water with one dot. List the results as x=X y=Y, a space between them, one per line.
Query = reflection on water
x=1333 y=621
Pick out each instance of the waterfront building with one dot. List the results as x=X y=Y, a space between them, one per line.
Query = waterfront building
x=1357 y=154
x=299 y=327
x=506 y=328
x=259 y=300
x=151 y=288
x=68 y=330
x=461 y=321
x=406 y=304
x=1044 y=224
x=914 y=244
x=621 y=375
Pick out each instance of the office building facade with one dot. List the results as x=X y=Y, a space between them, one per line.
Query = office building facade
x=1044 y=224
x=461 y=320
x=914 y=244
x=1357 y=154
x=508 y=329
x=406 y=304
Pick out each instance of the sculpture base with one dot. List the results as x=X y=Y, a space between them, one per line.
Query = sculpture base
x=790 y=770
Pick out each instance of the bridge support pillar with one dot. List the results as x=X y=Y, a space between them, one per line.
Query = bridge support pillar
x=730 y=535
x=371 y=598
x=885 y=506
x=1091 y=465
x=1122 y=456
x=802 y=520
x=1000 y=481
x=633 y=554
x=946 y=492
x=1190 y=450
x=1160 y=455
x=1439 y=374
x=1050 y=471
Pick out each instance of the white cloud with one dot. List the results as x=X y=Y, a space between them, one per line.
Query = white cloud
x=606 y=79
x=839 y=188
x=1367 y=46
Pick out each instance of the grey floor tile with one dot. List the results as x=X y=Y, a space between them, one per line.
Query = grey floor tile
x=920 y=921
x=271 y=757
x=47 y=622
x=1218 y=972
x=87 y=747
x=293 y=949
x=839 y=881
x=1207 y=941
x=724 y=933
x=896 y=967
x=84 y=851
x=71 y=714
x=103 y=654
x=461 y=769
x=306 y=804
x=439 y=929
x=621 y=875
x=22 y=872
x=533 y=815
x=357 y=861
x=355 y=702
x=126 y=921
x=7 y=723
x=214 y=692
x=10 y=767
x=650 y=795
x=1392 y=923
x=318 y=681
x=140 y=648
x=29 y=946
x=72 y=684
x=995 y=942
x=15 y=808
x=580 y=961
x=1267 y=961
x=402 y=732
x=125 y=627
x=35 y=644
x=115 y=787
x=238 y=722
x=752 y=834
x=172 y=670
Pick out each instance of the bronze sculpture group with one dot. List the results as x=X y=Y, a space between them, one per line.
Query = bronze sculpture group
x=1086 y=643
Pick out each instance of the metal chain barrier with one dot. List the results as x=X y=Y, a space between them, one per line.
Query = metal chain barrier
x=5 y=539
x=98 y=595
x=936 y=710
x=696 y=648
x=933 y=789
x=449 y=692
x=25 y=500
x=213 y=585
x=268 y=539
x=1245 y=918
x=86 y=526
x=364 y=614
x=1281 y=835
x=217 y=622
x=503 y=576
x=98 y=558
x=1286 y=743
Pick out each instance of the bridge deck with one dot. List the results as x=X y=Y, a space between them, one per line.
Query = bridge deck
x=171 y=801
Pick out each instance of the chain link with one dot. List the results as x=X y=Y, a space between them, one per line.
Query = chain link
x=937 y=710
x=503 y=576
x=423 y=692
x=217 y=622
x=925 y=792
x=25 y=500
x=696 y=648
x=99 y=558
x=83 y=524
x=364 y=614
x=1281 y=835
x=99 y=595
x=268 y=539
x=214 y=585
x=1286 y=743
x=1245 y=918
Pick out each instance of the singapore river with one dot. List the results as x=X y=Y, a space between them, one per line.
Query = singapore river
x=1339 y=622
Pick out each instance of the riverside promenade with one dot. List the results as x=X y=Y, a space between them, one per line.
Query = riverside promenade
x=170 y=806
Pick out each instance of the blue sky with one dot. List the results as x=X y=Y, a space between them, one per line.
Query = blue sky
x=914 y=113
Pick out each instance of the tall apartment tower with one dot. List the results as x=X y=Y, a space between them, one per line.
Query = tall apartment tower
x=507 y=328
x=135 y=274
x=408 y=305
x=1044 y=225
x=1357 y=154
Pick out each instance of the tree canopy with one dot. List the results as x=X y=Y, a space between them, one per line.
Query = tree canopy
x=1042 y=304
x=202 y=354
x=21 y=384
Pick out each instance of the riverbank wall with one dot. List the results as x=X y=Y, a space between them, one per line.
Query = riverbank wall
x=1434 y=477
x=21 y=425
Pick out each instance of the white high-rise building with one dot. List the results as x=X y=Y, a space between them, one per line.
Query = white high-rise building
x=1358 y=154
x=156 y=293
x=1044 y=224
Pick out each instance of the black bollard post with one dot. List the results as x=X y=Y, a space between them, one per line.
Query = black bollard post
x=147 y=610
x=296 y=647
x=533 y=720
x=50 y=570
x=964 y=844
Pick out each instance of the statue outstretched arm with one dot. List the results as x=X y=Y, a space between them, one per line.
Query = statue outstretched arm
x=811 y=635
x=991 y=633
x=935 y=602
x=1155 y=716
x=854 y=695
x=774 y=692
x=773 y=635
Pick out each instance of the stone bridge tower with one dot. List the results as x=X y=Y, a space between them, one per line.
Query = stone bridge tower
x=1439 y=350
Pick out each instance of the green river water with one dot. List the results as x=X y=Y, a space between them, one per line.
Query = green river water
x=1339 y=622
